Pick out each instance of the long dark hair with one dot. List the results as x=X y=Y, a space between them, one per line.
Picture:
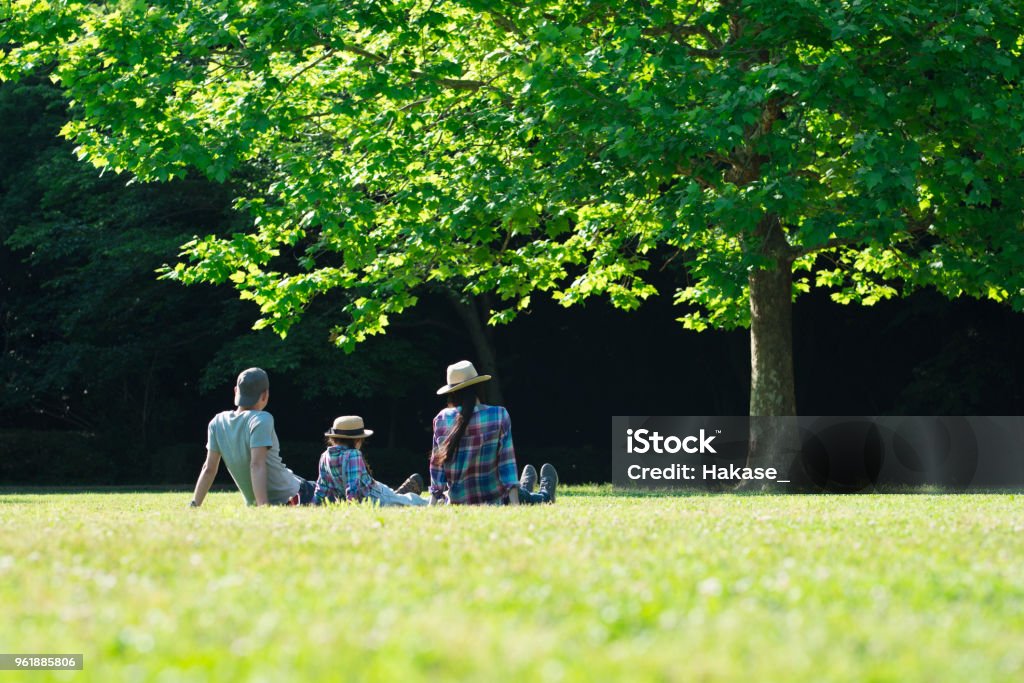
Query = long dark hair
x=466 y=399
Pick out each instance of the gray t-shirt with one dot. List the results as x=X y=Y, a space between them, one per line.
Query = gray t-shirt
x=232 y=434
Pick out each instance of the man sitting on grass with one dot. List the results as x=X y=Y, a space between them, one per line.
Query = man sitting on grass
x=246 y=440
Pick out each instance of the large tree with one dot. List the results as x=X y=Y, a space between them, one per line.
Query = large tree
x=769 y=146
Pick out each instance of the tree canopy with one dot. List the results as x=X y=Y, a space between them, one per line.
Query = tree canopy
x=565 y=146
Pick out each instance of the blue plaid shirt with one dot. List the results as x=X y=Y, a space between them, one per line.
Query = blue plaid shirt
x=343 y=475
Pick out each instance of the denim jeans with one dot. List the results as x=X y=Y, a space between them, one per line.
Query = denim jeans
x=382 y=494
x=305 y=494
x=527 y=498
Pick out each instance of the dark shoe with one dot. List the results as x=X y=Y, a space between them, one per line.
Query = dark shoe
x=548 y=481
x=529 y=478
x=414 y=484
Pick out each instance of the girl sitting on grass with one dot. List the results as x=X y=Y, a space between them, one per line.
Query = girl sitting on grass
x=345 y=476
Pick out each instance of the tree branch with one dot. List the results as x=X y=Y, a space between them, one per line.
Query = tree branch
x=914 y=226
x=362 y=53
x=453 y=83
x=679 y=31
x=679 y=34
x=415 y=103
x=504 y=22
x=465 y=84
x=326 y=55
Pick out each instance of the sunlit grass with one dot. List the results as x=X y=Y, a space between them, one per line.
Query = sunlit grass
x=596 y=587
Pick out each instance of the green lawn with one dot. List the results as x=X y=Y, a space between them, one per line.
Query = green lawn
x=596 y=587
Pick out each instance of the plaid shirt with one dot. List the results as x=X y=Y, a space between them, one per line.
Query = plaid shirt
x=343 y=474
x=484 y=468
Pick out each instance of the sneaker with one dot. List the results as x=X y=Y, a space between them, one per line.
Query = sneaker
x=548 y=481
x=414 y=484
x=529 y=478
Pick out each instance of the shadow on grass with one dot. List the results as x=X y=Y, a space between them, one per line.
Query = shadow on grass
x=609 y=491
x=7 y=490
x=571 y=491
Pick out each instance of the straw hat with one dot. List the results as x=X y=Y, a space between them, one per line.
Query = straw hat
x=349 y=427
x=460 y=375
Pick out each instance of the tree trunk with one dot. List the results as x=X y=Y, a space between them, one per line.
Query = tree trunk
x=486 y=358
x=773 y=442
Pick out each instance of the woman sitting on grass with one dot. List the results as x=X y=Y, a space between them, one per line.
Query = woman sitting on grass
x=472 y=460
x=345 y=476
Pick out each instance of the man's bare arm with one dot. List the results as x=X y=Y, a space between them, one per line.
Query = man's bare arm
x=258 y=471
x=206 y=477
